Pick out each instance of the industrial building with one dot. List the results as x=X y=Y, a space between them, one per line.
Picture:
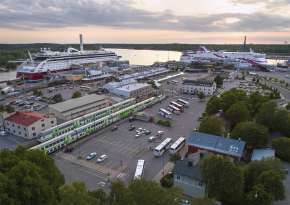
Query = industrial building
x=201 y=144
x=77 y=107
x=130 y=89
x=207 y=87
x=28 y=124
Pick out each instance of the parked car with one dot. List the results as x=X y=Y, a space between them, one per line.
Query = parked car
x=147 y=132
x=131 y=127
x=114 y=128
x=102 y=158
x=152 y=138
x=91 y=156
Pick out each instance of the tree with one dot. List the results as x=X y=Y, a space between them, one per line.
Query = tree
x=255 y=135
x=223 y=179
x=9 y=109
x=282 y=148
x=212 y=125
x=281 y=122
x=288 y=106
x=120 y=195
x=57 y=98
x=258 y=196
x=200 y=95
x=255 y=101
x=219 y=81
x=76 y=94
x=76 y=194
x=255 y=168
x=272 y=182
x=265 y=115
x=213 y=105
x=238 y=112
x=167 y=181
x=37 y=92
x=149 y=192
x=231 y=97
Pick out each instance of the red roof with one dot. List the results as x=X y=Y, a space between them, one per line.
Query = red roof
x=26 y=118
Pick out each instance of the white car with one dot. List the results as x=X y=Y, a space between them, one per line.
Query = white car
x=2 y=133
x=91 y=156
x=102 y=158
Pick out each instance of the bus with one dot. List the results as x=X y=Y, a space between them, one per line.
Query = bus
x=179 y=106
x=177 y=145
x=161 y=148
x=174 y=81
x=174 y=109
x=86 y=88
x=165 y=113
x=139 y=169
x=184 y=102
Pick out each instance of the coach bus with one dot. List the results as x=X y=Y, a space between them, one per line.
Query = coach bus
x=165 y=113
x=161 y=148
x=174 y=109
x=179 y=106
x=184 y=102
x=139 y=169
x=177 y=145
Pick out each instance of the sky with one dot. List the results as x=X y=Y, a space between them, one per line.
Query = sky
x=145 y=21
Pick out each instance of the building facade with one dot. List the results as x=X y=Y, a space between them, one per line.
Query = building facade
x=207 y=87
x=77 y=107
x=188 y=177
x=28 y=124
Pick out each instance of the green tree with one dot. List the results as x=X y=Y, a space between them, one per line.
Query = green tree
x=77 y=94
x=265 y=116
x=200 y=95
x=121 y=195
x=76 y=194
x=213 y=105
x=219 y=81
x=272 y=181
x=57 y=98
x=9 y=109
x=281 y=122
x=149 y=192
x=238 y=112
x=212 y=125
x=255 y=168
x=224 y=180
x=258 y=196
x=282 y=148
x=288 y=106
x=255 y=135
x=255 y=101
x=231 y=97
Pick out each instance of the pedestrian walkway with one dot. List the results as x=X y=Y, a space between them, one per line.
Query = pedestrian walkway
x=166 y=169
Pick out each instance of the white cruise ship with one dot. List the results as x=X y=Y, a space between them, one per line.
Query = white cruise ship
x=47 y=61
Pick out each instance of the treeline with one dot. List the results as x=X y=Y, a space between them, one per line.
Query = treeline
x=31 y=178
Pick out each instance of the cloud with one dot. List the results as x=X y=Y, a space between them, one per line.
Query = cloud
x=33 y=14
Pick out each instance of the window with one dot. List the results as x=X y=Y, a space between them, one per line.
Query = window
x=42 y=125
x=178 y=177
x=33 y=128
x=34 y=134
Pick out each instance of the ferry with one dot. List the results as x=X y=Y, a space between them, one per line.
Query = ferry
x=47 y=61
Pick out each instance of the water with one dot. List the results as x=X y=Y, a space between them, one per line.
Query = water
x=136 y=57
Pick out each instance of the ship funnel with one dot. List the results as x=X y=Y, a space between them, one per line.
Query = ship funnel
x=81 y=42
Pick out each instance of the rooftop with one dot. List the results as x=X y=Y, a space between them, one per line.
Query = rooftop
x=25 y=118
x=217 y=144
x=77 y=102
x=132 y=87
x=260 y=154
x=186 y=168
x=199 y=82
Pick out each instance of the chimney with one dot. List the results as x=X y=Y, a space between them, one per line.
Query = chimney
x=81 y=42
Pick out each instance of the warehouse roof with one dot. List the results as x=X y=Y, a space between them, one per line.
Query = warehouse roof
x=77 y=102
x=187 y=168
x=260 y=154
x=26 y=118
x=217 y=144
x=199 y=82
x=132 y=87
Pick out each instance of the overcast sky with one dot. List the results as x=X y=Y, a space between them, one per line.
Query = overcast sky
x=145 y=21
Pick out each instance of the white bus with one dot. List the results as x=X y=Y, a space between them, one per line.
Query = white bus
x=177 y=145
x=184 y=102
x=165 y=113
x=139 y=169
x=174 y=109
x=179 y=106
x=86 y=88
x=161 y=148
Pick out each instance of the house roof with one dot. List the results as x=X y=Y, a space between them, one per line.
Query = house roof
x=260 y=154
x=25 y=118
x=185 y=168
x=77 y=102
x=217 y=144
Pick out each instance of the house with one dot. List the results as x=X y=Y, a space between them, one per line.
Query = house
x=28 y=124
x=261 y=154
x=203 y=144
x=207 y=87
x=187 y=176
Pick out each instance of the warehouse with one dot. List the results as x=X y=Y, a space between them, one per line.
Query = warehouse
x=77 y=107
x=207 y=87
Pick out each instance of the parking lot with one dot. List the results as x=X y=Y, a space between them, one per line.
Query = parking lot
x=124 y=149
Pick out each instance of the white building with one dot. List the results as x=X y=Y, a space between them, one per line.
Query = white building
x=77 y=107
x=28 y=124
x=207 y=87
x=130 y=89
